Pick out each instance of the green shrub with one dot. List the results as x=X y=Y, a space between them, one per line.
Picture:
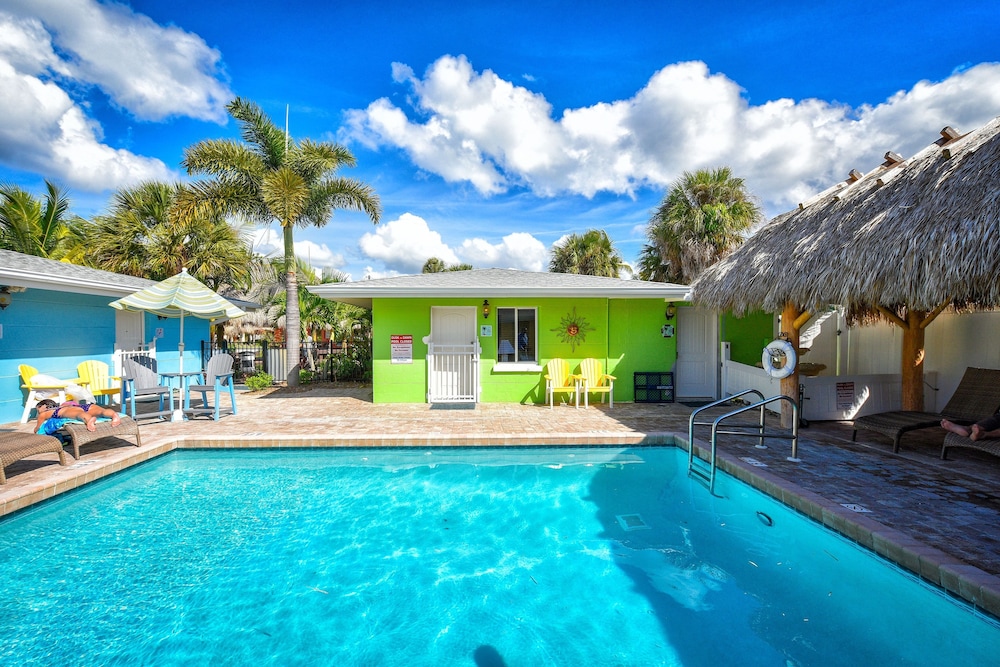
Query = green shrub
x=259 y=381
x=305 y=376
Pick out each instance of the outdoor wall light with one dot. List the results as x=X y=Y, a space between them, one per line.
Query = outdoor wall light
x=4 y=300
x=671 y=311
x=486 y=309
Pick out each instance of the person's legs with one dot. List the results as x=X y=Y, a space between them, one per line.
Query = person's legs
x=955 y=428
x=95 y=411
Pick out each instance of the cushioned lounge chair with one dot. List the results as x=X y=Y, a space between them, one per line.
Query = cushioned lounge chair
x=558 y=379
x=594 y=380
x=17 y=445
x=977 y=396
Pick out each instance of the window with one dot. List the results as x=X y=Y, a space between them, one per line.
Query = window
x=516 y=335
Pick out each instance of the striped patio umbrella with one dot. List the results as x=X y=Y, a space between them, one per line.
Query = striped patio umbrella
x=179 y=296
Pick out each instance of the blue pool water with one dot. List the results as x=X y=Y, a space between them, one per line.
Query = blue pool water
x=453 y=557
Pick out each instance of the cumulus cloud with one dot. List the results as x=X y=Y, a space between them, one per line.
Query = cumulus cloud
x=54 y=52
x=268 y=242
x=405 y=244
x=477 y=128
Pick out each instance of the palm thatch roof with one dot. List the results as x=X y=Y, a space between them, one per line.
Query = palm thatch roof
x=913 y=233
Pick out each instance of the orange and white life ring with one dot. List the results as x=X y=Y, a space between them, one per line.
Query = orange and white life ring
x=779 y=359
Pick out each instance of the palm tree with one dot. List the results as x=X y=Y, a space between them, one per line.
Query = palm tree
x=436 y=265
x=33 y=227
x=703 y=217
x=592 y=254
x=144 y=235
x=269 y=177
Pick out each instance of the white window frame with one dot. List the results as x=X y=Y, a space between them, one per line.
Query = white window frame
x=517 y=366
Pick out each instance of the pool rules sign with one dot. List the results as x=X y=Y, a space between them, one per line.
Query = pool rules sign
x=402 y=349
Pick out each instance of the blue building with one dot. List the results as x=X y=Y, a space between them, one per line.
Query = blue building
x=55 y=315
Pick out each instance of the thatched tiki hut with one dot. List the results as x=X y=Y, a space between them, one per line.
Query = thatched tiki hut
x=902 y=243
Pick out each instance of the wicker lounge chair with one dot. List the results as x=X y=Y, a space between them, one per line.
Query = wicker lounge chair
x=977 y=395
x=79 y=435
x=17 y=445
x=956 y=441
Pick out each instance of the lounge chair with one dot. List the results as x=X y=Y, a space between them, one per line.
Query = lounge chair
x=79 y=435
x=17 y=445
x=977 y=395
x=218 y=377
x=96 y=377
x=559 y=379
x=956 y=441
x=595 y=380
x=38 y=391
x=139 y=381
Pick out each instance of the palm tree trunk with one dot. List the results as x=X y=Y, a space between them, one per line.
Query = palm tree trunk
x=292 y=342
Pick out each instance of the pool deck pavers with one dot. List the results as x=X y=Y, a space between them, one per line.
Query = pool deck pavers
x=938 y=519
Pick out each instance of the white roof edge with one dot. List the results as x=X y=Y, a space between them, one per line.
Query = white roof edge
x=34 y=280
x=331 y=290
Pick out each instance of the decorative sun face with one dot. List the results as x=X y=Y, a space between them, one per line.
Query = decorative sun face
x=573 y=329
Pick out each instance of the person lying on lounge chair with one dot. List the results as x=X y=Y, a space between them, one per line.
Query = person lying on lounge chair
x=982 y=429
x=85 y=412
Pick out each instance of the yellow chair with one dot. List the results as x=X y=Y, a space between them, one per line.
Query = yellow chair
x=595 y=380
x=94 y=375
x=27 y=372
x=558 y=378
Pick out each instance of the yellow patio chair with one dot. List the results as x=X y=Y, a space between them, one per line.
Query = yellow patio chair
x=27 y=372
x=595 y=380
x=95 y=377
x=558 y=378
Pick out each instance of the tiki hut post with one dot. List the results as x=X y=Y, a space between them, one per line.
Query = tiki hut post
x=792 y=321
x=912 y=366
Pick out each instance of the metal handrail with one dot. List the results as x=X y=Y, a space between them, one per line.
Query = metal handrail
x=692 y=423
x=761 y=433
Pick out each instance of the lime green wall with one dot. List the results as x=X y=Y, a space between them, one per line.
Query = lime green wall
x=633 y=343
x=637 y=343
x=747 y=335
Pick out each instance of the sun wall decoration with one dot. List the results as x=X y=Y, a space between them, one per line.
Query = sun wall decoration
x=573 y=329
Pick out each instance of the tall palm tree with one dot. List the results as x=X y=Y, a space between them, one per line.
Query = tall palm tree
x=703 y=217
x=35 y=227
x=268 y=177
x=592 y=253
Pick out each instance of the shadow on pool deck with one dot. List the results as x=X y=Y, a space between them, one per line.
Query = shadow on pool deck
x=940 y=519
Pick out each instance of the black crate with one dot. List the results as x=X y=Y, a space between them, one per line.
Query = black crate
x=654 y=387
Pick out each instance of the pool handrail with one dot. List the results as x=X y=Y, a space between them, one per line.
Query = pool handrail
x=692 y=423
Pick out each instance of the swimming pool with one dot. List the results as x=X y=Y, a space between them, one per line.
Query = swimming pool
x=595 y=556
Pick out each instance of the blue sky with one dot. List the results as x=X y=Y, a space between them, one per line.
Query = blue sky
x=492 y=129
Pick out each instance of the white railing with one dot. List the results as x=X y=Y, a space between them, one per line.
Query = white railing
x=453 y=373
x=142 y=351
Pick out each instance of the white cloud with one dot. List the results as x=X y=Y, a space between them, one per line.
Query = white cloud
x=480 y=129
x=519 y=250
x=405 y=244
x=52 y=50
x=269 y=243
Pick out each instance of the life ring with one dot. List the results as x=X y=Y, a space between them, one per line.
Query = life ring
x=779 y=359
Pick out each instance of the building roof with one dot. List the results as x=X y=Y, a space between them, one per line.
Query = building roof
x=915 y=233
x=496 y=283
x=20 y=270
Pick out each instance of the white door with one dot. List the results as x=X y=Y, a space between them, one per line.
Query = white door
x=697 y=353
x=453 y=356
x=128 y=330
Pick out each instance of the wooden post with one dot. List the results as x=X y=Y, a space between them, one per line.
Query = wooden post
x=790 y=385
x=913 y=361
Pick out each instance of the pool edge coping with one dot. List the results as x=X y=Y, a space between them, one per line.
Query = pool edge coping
x=953 y=576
